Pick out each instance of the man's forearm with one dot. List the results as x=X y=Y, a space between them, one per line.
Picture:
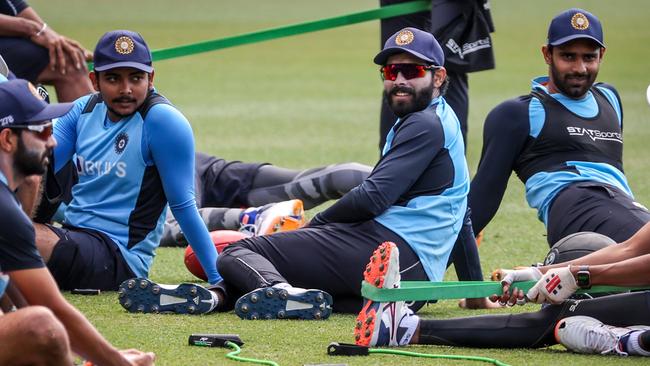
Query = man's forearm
x=630 y=272
x=18 y=26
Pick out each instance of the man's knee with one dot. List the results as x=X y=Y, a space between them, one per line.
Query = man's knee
x=45 y=335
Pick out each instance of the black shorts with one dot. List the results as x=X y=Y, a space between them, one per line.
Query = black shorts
x=85 y=258
x=221 y=183
x=25 y=58
x=597 y=207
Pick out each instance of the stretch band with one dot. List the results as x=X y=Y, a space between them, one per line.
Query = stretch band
x=424 y=290
x=290 y=30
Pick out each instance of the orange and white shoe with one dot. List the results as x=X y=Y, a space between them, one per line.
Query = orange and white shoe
x=384 y=323
x=273 y=218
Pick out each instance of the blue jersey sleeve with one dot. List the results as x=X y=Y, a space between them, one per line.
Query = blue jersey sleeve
x=171 y=143
x=65 y=133
x=414 y=146
x=505 y=133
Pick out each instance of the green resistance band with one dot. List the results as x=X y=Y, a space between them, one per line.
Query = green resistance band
x=290 y=30
x=344 y=349
x=427 y=355
x=233 y=356
x=424 y=290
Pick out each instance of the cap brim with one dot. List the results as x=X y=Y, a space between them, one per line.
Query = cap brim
x=383 y=56
x=50 y=112
x=4 y=70
x=572 y=37
x=115 y=65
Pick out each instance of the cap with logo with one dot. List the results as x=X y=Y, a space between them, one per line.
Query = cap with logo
x=122 y=48
x=20 y=104
x=575 y=24
x=418 y=43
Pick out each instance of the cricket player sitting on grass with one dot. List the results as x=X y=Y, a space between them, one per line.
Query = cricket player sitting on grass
x=47 y=330
x=134 y=154
x=415 y=196
x=564 y=140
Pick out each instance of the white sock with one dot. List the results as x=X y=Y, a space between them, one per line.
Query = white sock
x=633 y=346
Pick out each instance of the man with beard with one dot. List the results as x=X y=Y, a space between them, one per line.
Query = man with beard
x=134 y=153
x=48 y=329
x=564 y=141
x=415 y=196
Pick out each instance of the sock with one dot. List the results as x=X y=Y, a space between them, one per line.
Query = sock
x=631 y=343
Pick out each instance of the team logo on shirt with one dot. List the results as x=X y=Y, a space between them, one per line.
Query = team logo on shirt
x=404 y=37
x=595 y=134
x=124 y=45
x=579 y=21
x=120 y=142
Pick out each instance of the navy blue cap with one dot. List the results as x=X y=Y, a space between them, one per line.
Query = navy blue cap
x=20 y=104
x=574 y=24
x=418 y=43
x=122 y=48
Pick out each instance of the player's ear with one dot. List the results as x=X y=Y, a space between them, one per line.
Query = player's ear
x=94 y=78
x=547 y=52
x=151 y=75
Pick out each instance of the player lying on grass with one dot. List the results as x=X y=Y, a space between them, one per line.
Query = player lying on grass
x=223 y=187
x=610 y=324
x=415 y=196
x=47 y=330
x=564 y=141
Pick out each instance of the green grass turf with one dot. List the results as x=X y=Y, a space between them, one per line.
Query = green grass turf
x=314 y=99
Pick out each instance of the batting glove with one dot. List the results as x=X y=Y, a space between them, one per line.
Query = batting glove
x=554 y=287
x=508 y=276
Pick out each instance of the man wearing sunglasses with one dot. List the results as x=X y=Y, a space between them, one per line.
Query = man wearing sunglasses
x=415 y=197
x=564 y=141
x=48 y=329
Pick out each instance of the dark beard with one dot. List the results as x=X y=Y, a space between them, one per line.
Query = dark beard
x=563 y=83
x=29 y=162
x=420 y=101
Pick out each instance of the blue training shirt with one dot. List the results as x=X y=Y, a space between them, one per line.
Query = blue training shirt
x=128 y=171
x=419 y=187
x=507 y=130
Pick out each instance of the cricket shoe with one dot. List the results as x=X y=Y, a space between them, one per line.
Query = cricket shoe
x=284 y=302
x=140 y=295
x=273 y=218
x=384 y=323
x=584 y=334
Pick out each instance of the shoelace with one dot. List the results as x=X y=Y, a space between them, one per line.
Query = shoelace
x=249 y=229
x=595 y=339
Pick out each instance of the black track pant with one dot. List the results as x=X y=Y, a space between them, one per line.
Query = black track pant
x=596 y=207
x=330 y=257
x=534 y=330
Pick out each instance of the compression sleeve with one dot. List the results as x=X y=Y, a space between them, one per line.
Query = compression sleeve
x=415 y=144
x=65 y=133
x=171 y=142
x=505 y=133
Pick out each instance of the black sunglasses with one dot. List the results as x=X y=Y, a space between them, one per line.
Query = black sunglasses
x=409 y=71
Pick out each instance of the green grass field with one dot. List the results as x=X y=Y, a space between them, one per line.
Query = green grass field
x=313 y=99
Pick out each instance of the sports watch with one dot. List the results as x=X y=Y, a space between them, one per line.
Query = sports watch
x=583 y=277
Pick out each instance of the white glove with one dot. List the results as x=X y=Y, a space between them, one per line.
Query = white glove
x=508 y=276
x=554 y=287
